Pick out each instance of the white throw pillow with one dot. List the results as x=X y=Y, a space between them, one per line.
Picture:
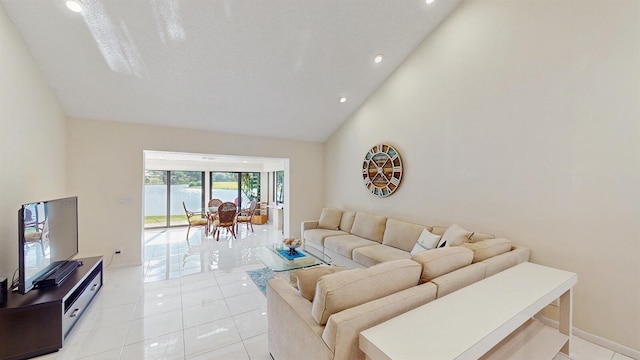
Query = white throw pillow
x=426 y=241
x=417 y=249
x=454 y=236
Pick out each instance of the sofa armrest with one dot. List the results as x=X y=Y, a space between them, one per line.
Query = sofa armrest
x=308 y=225
x=291 y=330
x=342 y=333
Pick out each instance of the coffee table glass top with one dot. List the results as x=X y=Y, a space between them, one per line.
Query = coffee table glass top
x=273 y=260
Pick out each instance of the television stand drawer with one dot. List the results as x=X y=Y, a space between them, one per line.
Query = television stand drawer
x=78 y=305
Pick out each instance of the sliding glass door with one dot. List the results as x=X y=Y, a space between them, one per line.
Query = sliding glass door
x=187 y=188
x=155 y=198
x=165 y=191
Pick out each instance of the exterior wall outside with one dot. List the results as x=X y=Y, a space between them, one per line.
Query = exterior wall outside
x=32 y=140
x=519 y=118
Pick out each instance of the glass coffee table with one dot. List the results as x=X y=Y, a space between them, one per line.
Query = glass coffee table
x=277 y=263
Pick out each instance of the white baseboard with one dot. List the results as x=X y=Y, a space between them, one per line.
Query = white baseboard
x=117 y=265
x=613 y=346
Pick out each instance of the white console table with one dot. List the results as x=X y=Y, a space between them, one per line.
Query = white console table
x=472 y=323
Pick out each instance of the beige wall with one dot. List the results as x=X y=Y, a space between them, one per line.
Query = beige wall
x=32 y=140
x=520 y=118
x=106 y=172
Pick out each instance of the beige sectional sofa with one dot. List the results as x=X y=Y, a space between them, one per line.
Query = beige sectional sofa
x=357 y=239
x=323 y=319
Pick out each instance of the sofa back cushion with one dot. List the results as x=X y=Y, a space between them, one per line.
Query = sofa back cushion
x=401 y=235
x=347 y=220
x=330 y=219
x=440 y=261
x=346 y=289
x=485 y=249
x=307 y=278
x=369 y=226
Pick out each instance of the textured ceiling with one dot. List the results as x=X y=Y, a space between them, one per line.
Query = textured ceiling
x=270 y=68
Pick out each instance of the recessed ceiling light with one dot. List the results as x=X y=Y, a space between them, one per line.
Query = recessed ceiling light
x=74 y=5
x=343 y=99
x=378 y=58
x=429 y=2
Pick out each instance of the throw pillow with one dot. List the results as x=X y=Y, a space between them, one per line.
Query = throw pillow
x=426 y=241
x=330 y=219
x=308 y=277
x=454 y=236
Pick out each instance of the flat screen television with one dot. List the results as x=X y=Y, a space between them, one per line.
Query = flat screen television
x=48 y=240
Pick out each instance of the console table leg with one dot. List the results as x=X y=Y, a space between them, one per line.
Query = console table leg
x=566 y=318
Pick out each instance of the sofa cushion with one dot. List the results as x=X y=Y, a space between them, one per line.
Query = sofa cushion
x=401 y=235
x=372 y=255
x=344 y=244
x=330 y=218
x=369 y=226
x=347 y=220
x=477 y=236
x=346 y=289
x=317 y=236
x=308 y=277
x=454 y=236
x=440 y=261
x=485 y=249
x=426 y=241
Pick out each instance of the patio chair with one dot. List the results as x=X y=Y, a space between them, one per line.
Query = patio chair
x=212 y=212
x=226 y=219
x=196 y=219
x=245 y=216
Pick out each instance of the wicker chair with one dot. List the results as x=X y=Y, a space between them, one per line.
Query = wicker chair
x=212 y=212
x=196 y=219
x=245 y=216
x=226 y=218
x=214 y=203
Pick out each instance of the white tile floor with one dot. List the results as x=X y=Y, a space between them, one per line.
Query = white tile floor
x=193 y=301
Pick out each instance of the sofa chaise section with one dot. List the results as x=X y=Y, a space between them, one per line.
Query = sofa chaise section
x=345 y=303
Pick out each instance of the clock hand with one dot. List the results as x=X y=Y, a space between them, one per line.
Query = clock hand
x=385 y=162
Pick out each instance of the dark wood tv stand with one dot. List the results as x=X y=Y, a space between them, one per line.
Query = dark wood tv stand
x=39 y=321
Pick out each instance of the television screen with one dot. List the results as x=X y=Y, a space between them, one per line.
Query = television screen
x=48 y=232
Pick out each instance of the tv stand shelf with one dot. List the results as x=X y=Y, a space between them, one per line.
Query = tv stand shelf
x=39 y=321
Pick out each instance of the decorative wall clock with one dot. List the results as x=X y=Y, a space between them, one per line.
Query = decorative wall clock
x=382 y=170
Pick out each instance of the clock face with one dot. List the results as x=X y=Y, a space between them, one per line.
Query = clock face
x=382 y=170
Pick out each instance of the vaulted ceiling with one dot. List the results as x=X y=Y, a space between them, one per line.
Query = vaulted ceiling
x=270 y=68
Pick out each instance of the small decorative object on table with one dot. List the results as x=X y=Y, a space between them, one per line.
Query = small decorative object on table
x=292 y=244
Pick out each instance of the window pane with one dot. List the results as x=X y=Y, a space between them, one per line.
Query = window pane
x=250 y=188
x=155 y=198
x=185 y=186
x=224 y=186
x=280 y=187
